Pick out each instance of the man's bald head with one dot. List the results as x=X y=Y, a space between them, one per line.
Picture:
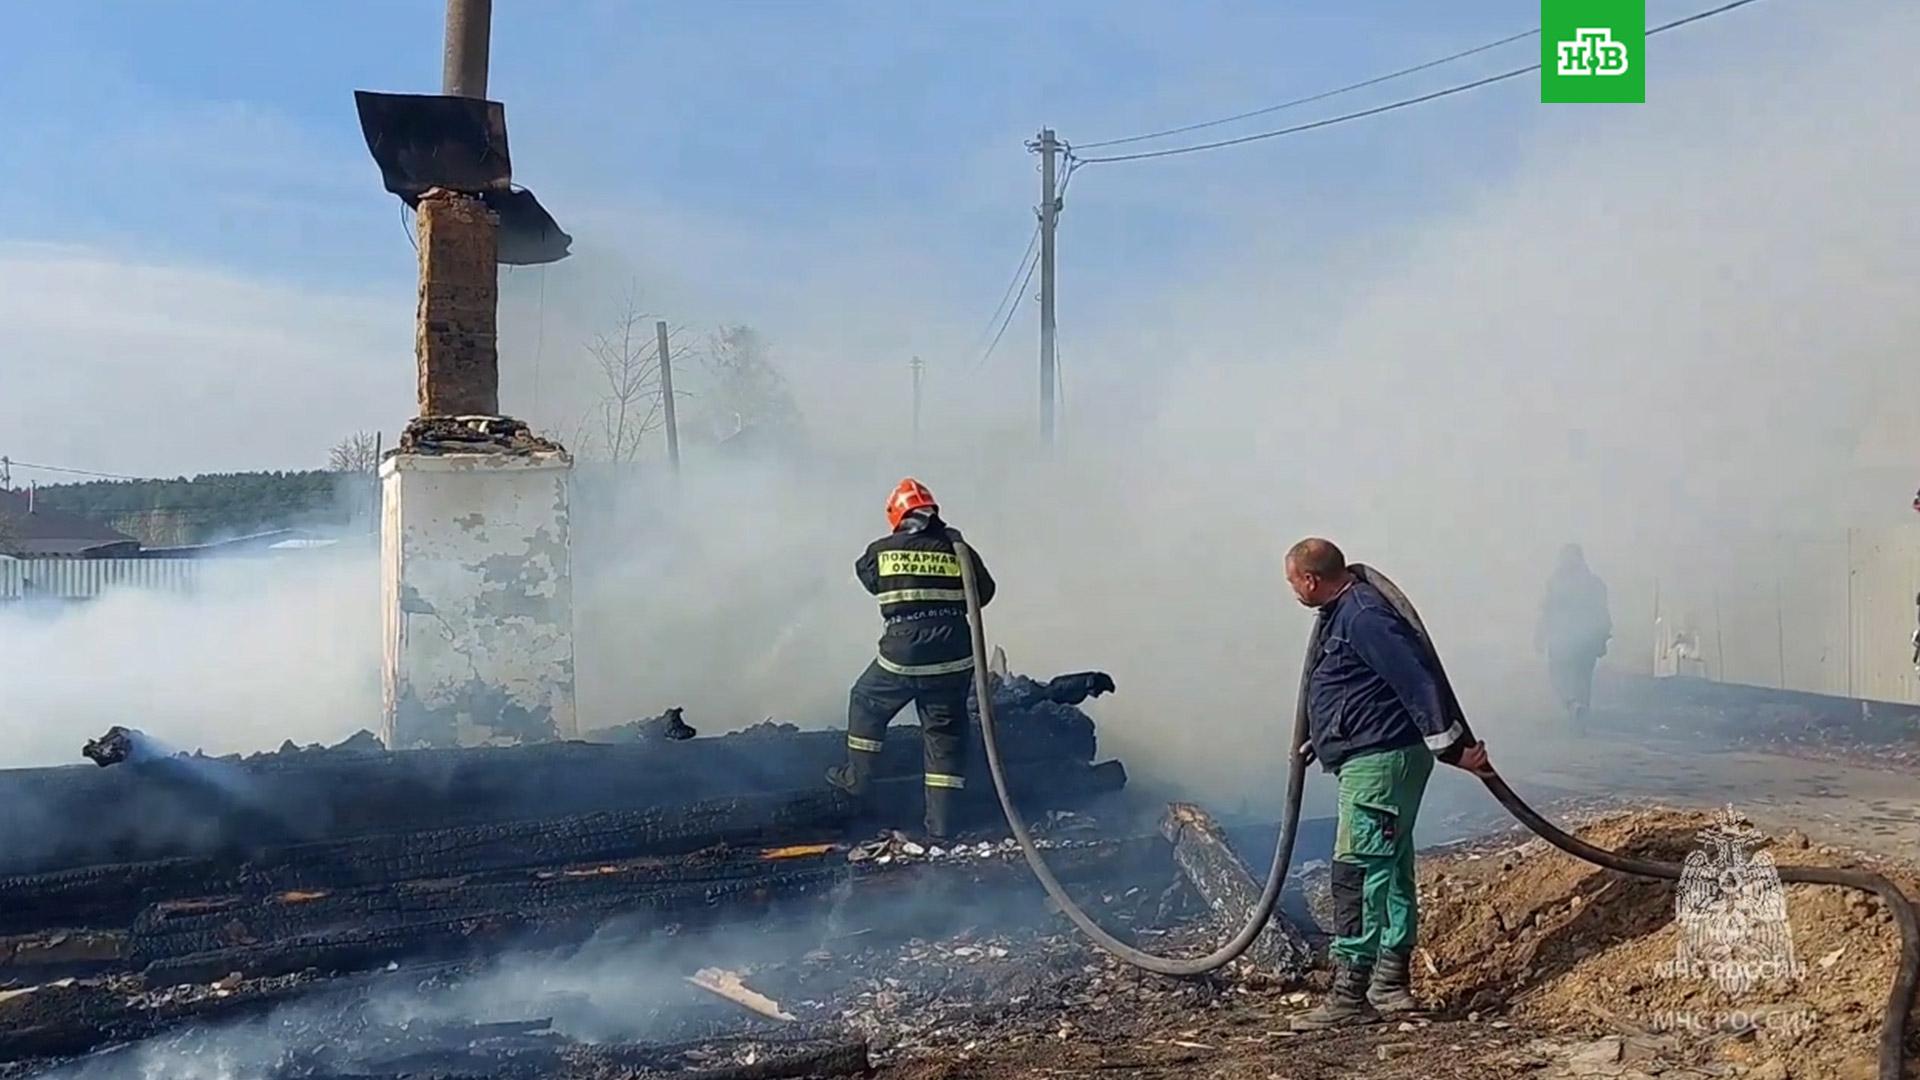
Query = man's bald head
x=1317 y=570
x=1316 y=556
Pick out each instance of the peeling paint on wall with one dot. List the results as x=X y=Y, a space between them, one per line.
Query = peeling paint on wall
x=478 y=592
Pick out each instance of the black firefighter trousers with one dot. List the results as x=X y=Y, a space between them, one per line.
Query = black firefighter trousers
x=941 y=700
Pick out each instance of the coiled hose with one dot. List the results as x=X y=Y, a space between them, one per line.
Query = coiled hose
x=1893 y=1025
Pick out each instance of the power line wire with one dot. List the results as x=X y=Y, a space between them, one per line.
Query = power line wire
x=1328 y=122
x=1392 y=105
x=1059 y=374
x=1321 y=96
x=539 y=338
x=1066 y=177
x=76 y=472
x=1012 y=284
x=985 y=356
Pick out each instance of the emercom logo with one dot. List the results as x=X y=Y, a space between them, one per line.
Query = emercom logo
x=1593 y=50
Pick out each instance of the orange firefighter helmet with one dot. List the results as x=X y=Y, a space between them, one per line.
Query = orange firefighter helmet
x=908 y=496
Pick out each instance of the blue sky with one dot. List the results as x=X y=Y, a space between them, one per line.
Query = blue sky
x=768 y=115
x=849 y=176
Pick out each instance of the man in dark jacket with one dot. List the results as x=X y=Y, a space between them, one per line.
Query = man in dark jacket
x=926 y=652
x=1377 y=715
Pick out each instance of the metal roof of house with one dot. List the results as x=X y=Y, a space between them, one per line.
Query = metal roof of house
x=48 y=532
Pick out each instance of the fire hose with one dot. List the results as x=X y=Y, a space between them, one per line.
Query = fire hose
x=1893 y=1028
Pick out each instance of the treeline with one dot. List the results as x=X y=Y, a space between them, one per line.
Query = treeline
x=215 y=506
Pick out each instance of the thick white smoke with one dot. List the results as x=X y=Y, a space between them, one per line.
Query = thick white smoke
x=263 y=652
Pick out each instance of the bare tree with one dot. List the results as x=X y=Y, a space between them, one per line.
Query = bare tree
x=629 y=360
x=357 y=453
x=748 y=392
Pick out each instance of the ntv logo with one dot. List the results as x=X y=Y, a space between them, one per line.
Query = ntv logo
x=1592 y=52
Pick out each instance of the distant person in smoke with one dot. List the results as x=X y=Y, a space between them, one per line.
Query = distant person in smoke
x=1573 y=630
x=1379 y=712
x=925 y=656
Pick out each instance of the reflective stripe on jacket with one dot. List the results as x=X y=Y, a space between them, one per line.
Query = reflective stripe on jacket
x=914 y=575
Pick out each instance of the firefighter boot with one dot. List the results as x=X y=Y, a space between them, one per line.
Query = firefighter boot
x=1345 y=1003
x=943 y=812
x=855 y=777
x=1391 y=990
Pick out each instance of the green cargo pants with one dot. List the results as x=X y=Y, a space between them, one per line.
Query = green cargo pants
x=1374 y=906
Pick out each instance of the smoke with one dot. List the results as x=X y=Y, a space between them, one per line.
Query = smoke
x=611 y=988
x=1666 y=327
x=1657 y=329
x=262 y=652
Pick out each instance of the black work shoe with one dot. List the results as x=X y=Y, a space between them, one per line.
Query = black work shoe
x=1391 y=990
x=1345 y=1004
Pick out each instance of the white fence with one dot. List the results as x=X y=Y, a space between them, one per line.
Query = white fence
x=1831 y=614
x=84 y=579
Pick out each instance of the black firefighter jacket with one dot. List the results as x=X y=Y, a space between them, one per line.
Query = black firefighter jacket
x=915 y=576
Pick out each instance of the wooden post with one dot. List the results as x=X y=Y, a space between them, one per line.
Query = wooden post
x=666 y=396
x=1049 y=215
x=919 y=366
x=1780 y=630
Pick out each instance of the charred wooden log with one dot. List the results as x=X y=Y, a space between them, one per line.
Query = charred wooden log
x=69 y=1018
x=111 y=896
x=103 y=896
x=847 y=1059
x=816 y=892
x=1219 y=877
x=677 y=1058
x=55 y=954
x=362 y=928
x=183 y=806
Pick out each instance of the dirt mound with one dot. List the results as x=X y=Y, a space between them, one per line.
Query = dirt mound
x=1533 y=932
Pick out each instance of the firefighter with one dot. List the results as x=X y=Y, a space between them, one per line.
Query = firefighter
x=926 y=652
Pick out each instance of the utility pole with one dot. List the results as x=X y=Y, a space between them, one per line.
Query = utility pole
x=6 y=474
x=666 y=396
x=918 y=366
x=1049 y=216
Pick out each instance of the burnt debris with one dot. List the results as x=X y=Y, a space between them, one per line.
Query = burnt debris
x=287 y=886
x=1019 y=691
x=473 y=435
x=116 y=746
x=670 y=726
